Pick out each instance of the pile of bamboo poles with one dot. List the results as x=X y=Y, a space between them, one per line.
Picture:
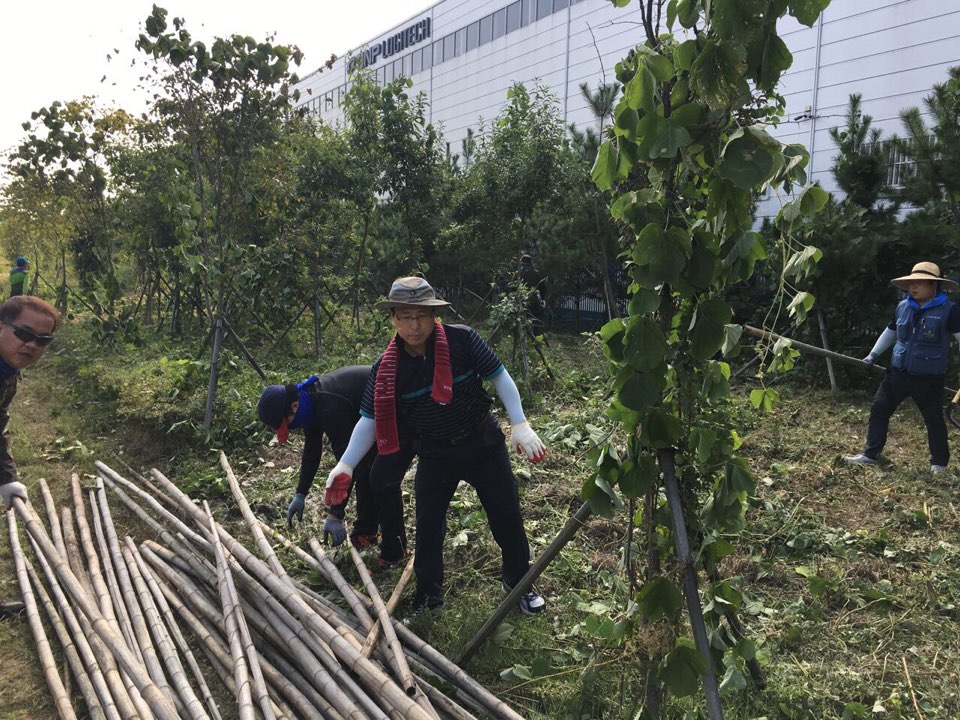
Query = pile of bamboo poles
x=130 y=616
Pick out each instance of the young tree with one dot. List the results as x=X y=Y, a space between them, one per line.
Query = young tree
x=860 y=166
x=687 y=150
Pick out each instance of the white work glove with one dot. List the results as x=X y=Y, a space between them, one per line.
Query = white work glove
x=8 y=491
x=338 y=484
x=869 y=359
x=524 y=439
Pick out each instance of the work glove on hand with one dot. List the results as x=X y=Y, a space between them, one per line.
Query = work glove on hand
x=870 y=359
x=8 y=491
x=296 y=508
x=338 y=483
x=334 y=529
x=524 y=439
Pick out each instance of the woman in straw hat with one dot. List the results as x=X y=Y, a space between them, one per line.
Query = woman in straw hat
x=920 y=335
x=429 y=384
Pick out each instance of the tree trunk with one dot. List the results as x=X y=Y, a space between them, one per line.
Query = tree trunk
x=214 y=368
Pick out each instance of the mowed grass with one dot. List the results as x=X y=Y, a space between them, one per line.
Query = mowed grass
x=851 y=574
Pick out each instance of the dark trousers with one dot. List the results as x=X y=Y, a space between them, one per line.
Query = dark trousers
x=927 y=393
x=483 y=462
x=385 y=481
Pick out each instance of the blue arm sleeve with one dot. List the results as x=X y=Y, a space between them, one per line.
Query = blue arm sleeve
x=510 y=397
x=362 y=439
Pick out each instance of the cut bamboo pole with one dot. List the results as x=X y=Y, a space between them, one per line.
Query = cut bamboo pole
x=340 y=582
x=60 y=697
x=103 y=672
x=114 y=479
x=56 y=533
x=393 y=645
x=241 y=673
x=312 y=656
x=128 y=596
x=253 y=658
x=103 y=592
x=379 y=684
x=151 y=693
x=174 y=630
x=371 y=641
x=70 y=652
x=74 y=557
x=191 y=704
x=179 y=592
x=116 y=594
x=266 y=550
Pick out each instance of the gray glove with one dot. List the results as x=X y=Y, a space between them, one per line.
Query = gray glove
x=335 y=530
x=8 y=491
x=869 y=359
x=296 y=508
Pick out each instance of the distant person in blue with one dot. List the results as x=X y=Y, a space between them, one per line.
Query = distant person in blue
x=18 y=276
x=920 y=334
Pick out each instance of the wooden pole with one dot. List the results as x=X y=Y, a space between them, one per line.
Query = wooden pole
x=513 y=597
x=214 y=370
x=826 y=346
x=690 y=591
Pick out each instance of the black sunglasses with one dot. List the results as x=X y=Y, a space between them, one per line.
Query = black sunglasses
x=27 y=335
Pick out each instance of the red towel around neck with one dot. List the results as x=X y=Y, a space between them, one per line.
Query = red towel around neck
x=385 y=389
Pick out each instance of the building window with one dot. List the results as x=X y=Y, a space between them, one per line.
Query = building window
x=428 y=56
x=408 y=64
x=527 y=12
x=513 y=16
x=544 y=8
x=388 y=73
x=438 y=52
x=486 y=29
x=559 y=5
x=461 y=45
x=417 y=56
x=397 y=68
x=499 y=23
x=473 y=35
x=448 y=48
x=900 y=168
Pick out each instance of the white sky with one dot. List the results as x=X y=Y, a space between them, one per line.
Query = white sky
x=57 y=50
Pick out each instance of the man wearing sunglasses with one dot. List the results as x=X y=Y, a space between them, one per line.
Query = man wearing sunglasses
x=27 y=324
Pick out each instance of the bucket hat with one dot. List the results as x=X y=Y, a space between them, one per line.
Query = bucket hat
x=924 y=271
x=407 y=291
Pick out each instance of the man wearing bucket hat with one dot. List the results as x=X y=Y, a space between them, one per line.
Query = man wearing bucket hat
x=920 y=335
x=428 y=383
x=330 y=405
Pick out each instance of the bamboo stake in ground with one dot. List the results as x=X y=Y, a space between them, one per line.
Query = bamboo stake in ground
x=150 y=692
x=49 y=665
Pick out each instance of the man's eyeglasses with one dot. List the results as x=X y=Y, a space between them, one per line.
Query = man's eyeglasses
x=411 y=319
x=26 y=335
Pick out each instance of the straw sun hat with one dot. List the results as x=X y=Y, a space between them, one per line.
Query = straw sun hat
x=924 y=271
x=408 y=291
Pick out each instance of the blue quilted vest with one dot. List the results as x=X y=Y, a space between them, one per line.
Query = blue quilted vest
x=922 y=338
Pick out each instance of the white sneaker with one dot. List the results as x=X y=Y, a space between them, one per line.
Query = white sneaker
x=860 y=459
x=938 y=469
x=530 y=603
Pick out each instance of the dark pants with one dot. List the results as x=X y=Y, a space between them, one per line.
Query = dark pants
x=927 y=393
x=385 y=482
x=482 y=461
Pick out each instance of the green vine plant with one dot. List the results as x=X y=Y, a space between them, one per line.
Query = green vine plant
x=688 y=149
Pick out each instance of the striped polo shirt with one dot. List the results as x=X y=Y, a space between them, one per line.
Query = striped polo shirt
x=471 y=360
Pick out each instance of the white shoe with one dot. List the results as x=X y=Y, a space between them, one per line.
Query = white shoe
x=938 y=469
x=860 y=459
x=530 y=603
